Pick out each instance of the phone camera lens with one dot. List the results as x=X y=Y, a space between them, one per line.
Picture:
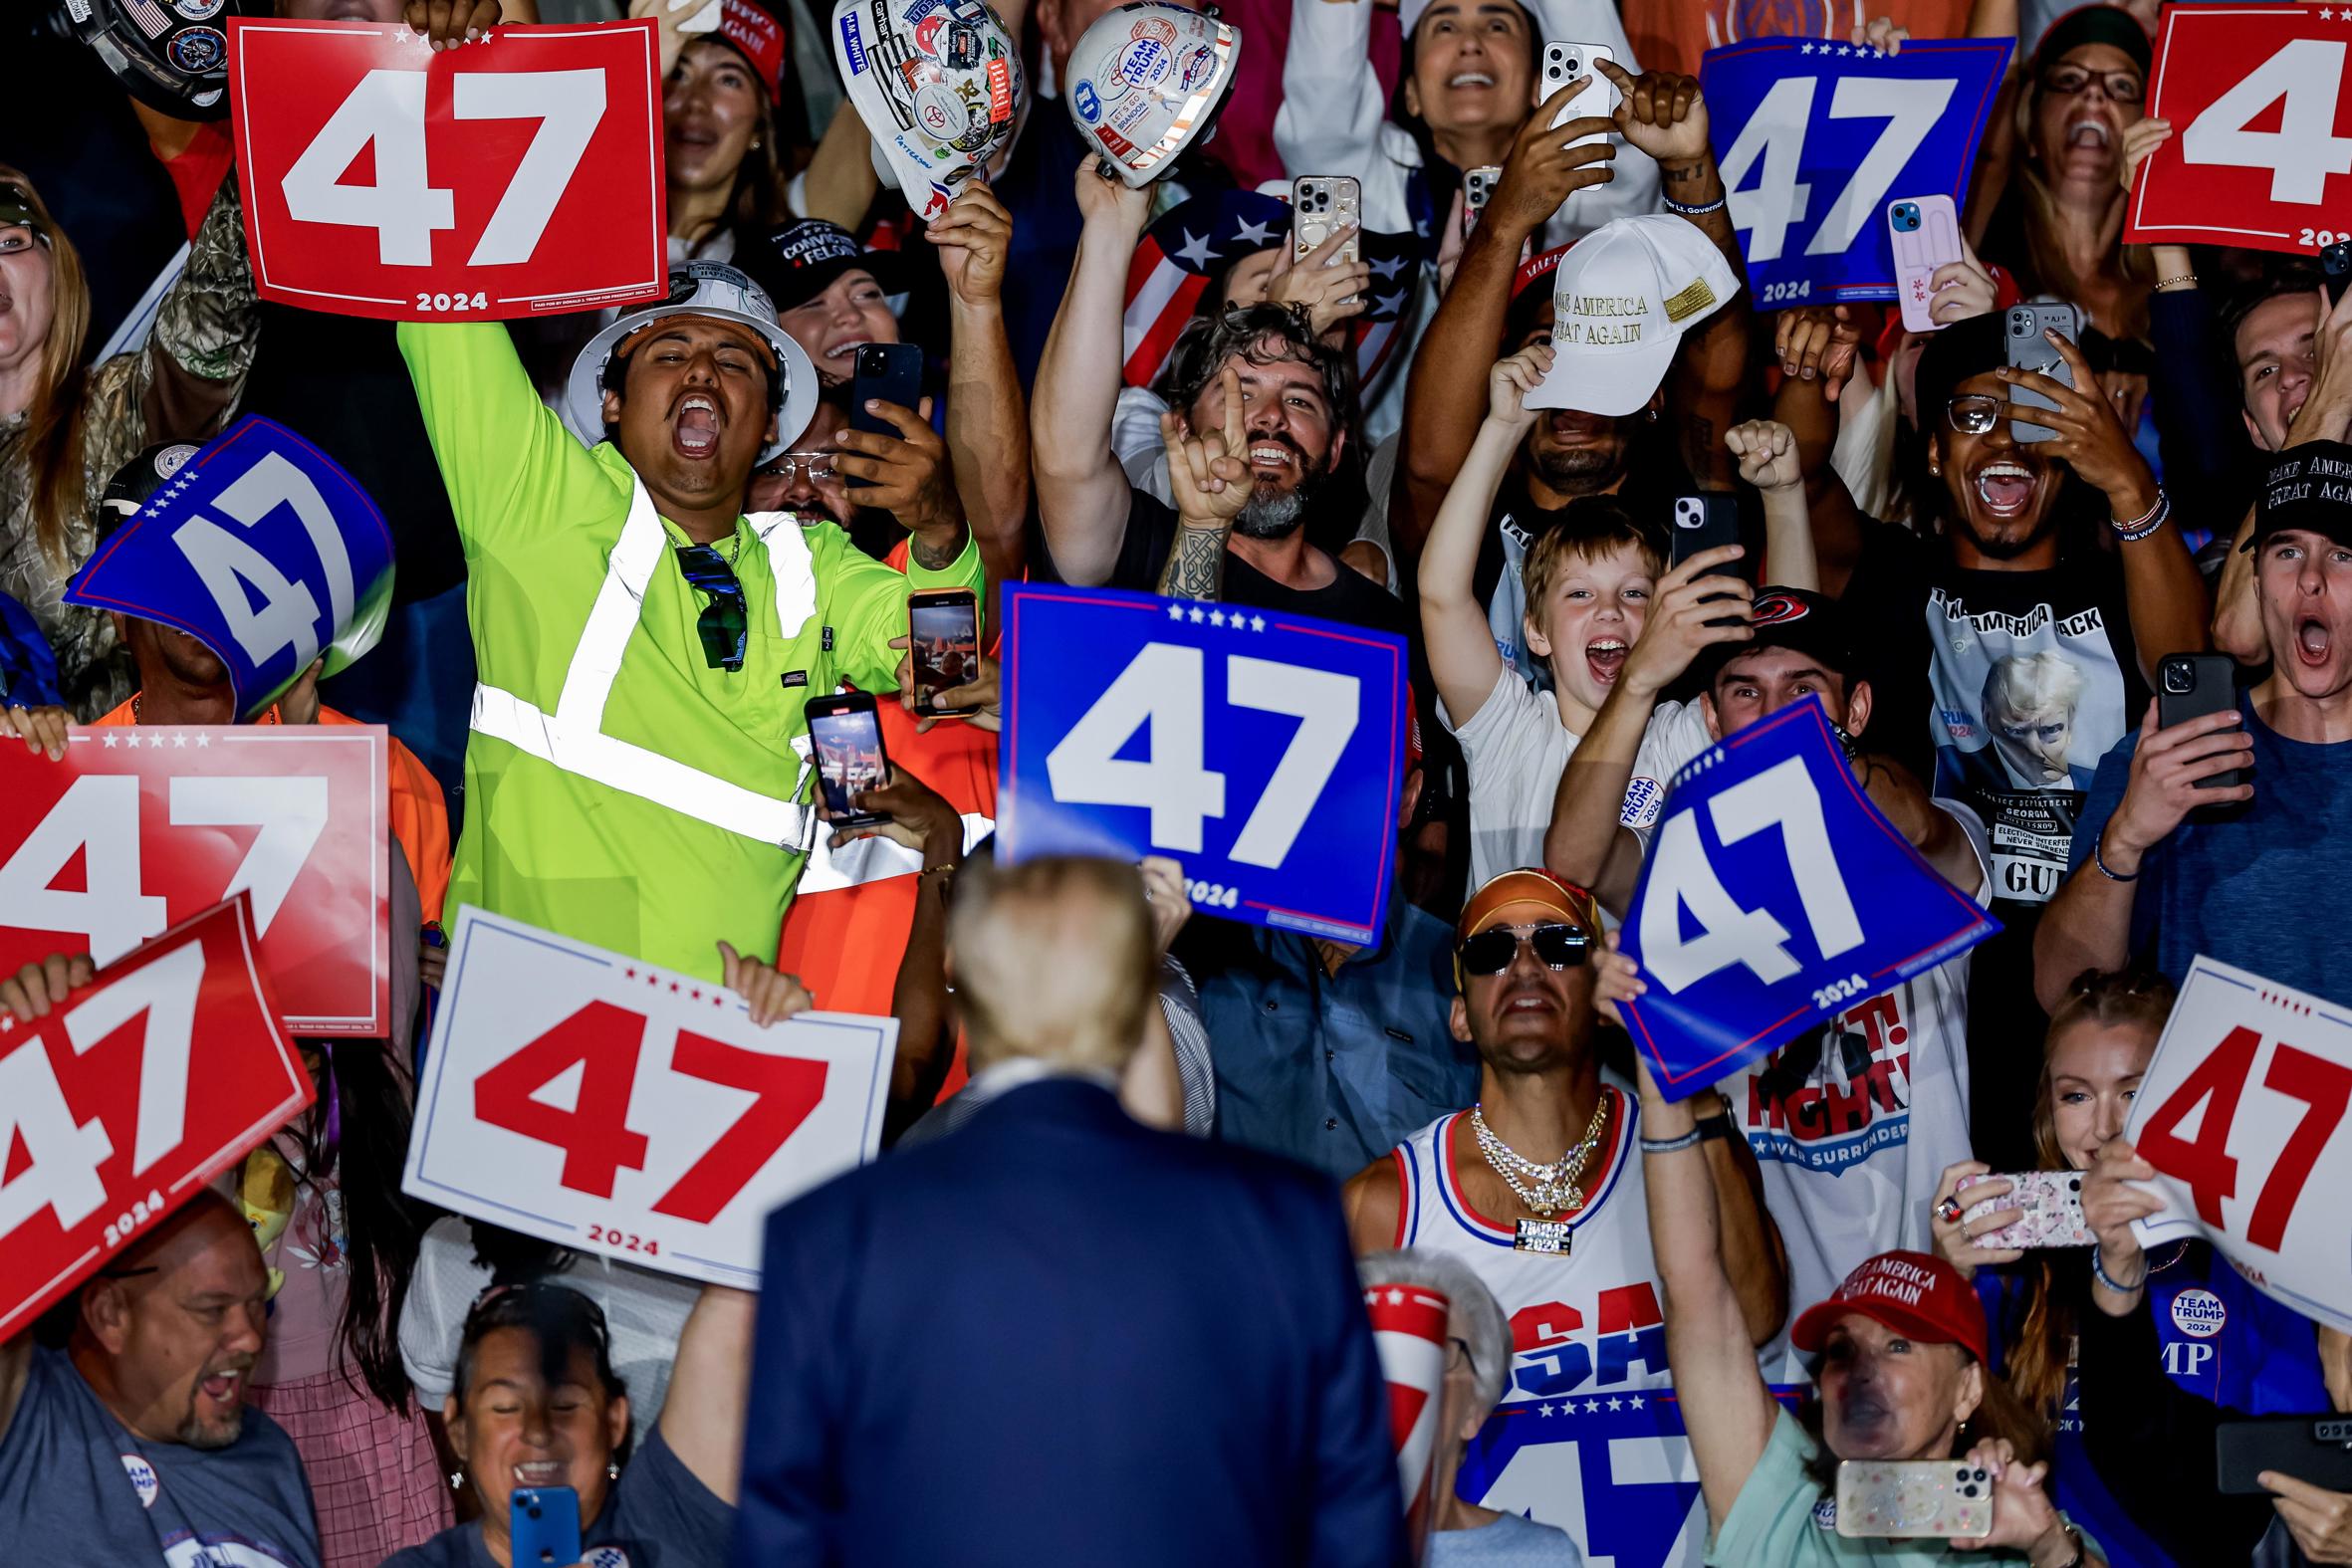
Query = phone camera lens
x=531 y=1510
x=2179 y=679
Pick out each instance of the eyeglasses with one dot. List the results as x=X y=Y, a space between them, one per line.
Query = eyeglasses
x=819 y=466
x=722 y=623
x=1973 y=413
x=1556 y=945
x=2070 y=81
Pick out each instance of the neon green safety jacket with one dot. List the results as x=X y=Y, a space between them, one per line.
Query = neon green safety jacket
x=618 y=789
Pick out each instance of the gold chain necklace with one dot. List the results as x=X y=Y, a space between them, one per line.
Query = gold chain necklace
x=1548 y=1189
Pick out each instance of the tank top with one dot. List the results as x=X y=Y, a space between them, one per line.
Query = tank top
x=1587 y=1435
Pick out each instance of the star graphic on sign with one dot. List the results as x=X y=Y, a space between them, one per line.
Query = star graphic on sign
x=1389 y=268
x=1196 y=251
x=202 y=741
x=1593 y=1406
x=1175 y=613
x=1616 y=1404
x=1254 y=234
x=1396 y=1297
x=1198 y=615
x=1543 y=1410
x=109 y=739
x=1388 y=303
x=1216 y=618
x=1256 y=624
x=1809 y=49
x=180 y=739
x=1635 y=1401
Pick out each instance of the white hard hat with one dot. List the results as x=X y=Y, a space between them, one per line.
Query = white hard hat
x=1147 y=81
x=722 y=293
x=939 y=85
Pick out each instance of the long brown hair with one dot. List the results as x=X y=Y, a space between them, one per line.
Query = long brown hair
x=2037 y=222
x=53 y=421
x=758 y=206
x=2038 y=1361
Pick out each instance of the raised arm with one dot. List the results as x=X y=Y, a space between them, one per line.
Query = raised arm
x=702 y=1418
x=1082 y=492
x=193 y=367
x=1445 y=392
x=1726 y=1408
x=1209 y=481
x=987 y=417
x=1333 y=111
x=1767 y=452
x=840 y=181
x=1463 y=658
x=1585 y=842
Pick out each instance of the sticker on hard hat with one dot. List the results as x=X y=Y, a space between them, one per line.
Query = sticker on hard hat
x=940 y=111
x=1000 y=92
x=1089 y=105
x=1152 y=27
x=926 y=33
x=1145 y=62
x=1200 y=63
x=853 y=45
x=199 y=50
x=921 y=9
x=963 y=46
x=197 y=10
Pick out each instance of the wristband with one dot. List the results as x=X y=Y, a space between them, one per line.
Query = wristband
x=1670 y=1145
x=2179 y=280
x=1713 y=1127
x=2147 y=521
x=1688 y=211
x=2099 y=1272
x=2099 y=860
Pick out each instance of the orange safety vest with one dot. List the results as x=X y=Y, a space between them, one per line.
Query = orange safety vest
x=419 y=818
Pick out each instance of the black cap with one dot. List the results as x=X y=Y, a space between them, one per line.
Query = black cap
x=1814 y=625
x=134 y=484
x=2093 y=24
x=802 y=260
x=2307 y=488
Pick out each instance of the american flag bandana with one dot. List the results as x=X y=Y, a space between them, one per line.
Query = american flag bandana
x=1197 y=239
x=1409 y=1331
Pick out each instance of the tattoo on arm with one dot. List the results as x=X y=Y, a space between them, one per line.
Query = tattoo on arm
x=1685 y=172
x=936 y=557
x=1196 y=565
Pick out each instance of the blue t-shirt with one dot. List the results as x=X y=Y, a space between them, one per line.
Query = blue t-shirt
x=2266 y=886
x=77 y=1490
x=1513 y=1541
x=2221 y=1339
x=657 y=1516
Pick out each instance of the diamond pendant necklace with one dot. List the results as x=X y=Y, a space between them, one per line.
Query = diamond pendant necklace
x=1548 y=1189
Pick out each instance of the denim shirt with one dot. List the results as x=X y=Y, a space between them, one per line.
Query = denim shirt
x=1332 y=1069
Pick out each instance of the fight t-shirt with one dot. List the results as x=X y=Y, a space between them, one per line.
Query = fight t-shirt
x=79 y=1491
x=658 y=1516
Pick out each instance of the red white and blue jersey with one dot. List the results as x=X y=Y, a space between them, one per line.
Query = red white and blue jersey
x=1589 y=1435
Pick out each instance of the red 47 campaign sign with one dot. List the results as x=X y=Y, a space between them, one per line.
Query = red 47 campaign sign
x=143 y=826
x=613 y=1107
x=2259 y=153
x=2243 y=1111
x=517 y=176
x=140 y=1087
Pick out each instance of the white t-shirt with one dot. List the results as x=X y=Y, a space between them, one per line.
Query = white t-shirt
x=1851 y=1146
x=1517 y=748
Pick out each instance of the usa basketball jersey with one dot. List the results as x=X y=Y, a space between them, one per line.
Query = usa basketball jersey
x=1589 y=1435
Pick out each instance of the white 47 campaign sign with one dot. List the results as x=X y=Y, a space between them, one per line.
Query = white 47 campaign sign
x=615 y=1107
x=2243 y=1113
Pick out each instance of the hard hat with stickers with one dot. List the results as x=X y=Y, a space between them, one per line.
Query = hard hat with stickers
x=939 y=85
x=1147 y=80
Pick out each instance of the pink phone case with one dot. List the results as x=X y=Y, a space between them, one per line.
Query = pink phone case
x=2053 y=1205
x=1919 y=249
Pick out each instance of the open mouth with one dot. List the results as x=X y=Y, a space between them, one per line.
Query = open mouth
x=842 y=352
x=223 y=1388
x=1566 y=425
x=1273 y=458
x=2312 y=640
x=539 y=1472
x=1469 y=79
x=2005 y=488
x=2088 y=133
x=1606 y=657
x=695 y=432
x=1528 y=998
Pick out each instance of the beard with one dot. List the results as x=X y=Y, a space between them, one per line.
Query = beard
x=2007 y=546
x=1276 y=514
x=197 y=1433
x=1579 y=469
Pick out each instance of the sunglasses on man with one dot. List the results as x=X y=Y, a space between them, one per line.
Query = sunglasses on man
x=1557 y=945
x=723 y=624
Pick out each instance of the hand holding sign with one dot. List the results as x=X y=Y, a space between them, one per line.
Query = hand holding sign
x=1263 y=750
x=606 y=1105
x=2219 y=74
x=1775 y=897
x=259 y=514
x=1808 y=187
x=122 y=1097
x=2241 y=1112
x=517 y=177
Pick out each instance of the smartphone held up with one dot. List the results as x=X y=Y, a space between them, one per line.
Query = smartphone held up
x=943 y=645
x=847 y=734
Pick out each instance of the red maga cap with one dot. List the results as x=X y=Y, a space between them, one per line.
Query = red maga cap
x=1913 y=1294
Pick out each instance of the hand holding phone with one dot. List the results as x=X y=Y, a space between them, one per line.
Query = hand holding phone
x=2050 y=1204
x=1563 y=61
x=943 y=645
x=2029 y=349
x=1704 y=521
x=1925 y=235
x=1477 y=185
x=888 y=374
x=2191 y=685
x=544 y=1525
x=1909 y=1499
x=846 y=735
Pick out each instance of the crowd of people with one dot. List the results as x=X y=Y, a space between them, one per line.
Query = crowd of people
x=1140 y=1164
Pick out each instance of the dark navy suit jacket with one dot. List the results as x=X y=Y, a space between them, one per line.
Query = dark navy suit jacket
x=1059 y=1337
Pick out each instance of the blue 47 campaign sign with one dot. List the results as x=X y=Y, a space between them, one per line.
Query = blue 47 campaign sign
x=1814 y=139
x=1263 y=752
x=1777 y=896
x=260 y=548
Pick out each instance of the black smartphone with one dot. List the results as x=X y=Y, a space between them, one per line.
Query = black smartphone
x=2335 y=266
x=543 y=1526
x=2191 y=685
x=891 y=374
x=943 y=643
x=2314 y=1448
x=2031 y=350
x=1702 y=522
x=848 y=737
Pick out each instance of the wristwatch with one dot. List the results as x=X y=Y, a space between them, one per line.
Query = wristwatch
x=1718 y=1124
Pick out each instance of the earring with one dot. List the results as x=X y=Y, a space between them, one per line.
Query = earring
x=612 y=1470
x=754 y=144
x=457 y=1480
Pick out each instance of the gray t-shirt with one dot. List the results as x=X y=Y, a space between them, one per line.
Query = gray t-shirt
x=77 y=1490
x=1513 y=1541
x=658 y=1516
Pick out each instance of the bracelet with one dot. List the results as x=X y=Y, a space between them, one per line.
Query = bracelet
x=1688 y=211
x=2099 y=1272
x=2185 y=280
x=1670 y=1145
x=2067 y=1529
x=2147 y=521
x=2099 y=860
x=1716 y=1126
